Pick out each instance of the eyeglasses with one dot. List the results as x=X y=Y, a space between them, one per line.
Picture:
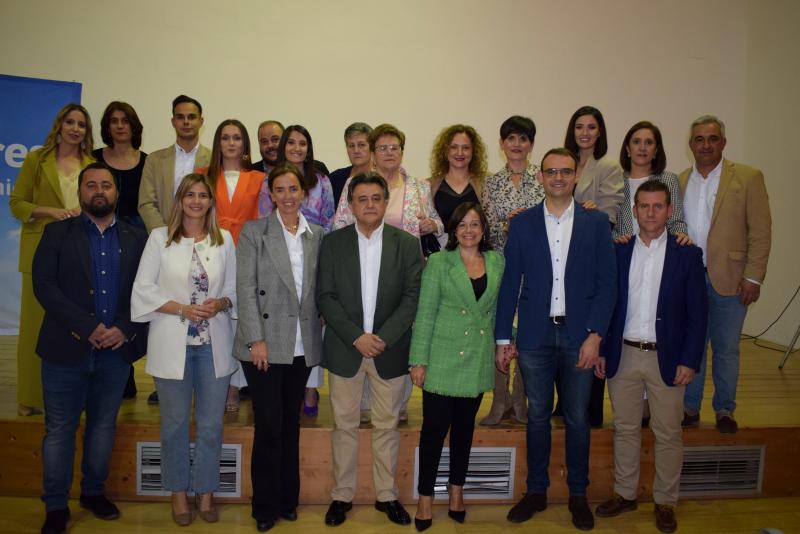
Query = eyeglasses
x=387 y=148
x=565 y=172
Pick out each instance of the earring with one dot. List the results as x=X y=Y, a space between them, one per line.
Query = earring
x=58 y=139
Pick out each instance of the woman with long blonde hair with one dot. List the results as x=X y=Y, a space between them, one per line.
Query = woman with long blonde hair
x=186 y=289
x=46 y=190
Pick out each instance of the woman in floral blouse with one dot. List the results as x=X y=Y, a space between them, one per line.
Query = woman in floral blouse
x=186 y=289
x=506 y=194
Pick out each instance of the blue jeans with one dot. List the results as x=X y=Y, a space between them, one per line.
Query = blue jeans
x=557 y=352
x=725 y=321
x=95 y=385
x=175 y=402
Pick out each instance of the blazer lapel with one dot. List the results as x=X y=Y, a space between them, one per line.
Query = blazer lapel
x=51 y=171
x=78 y=237
x=624 y=270
x=493 y=274
x=668 y=272
x=388 y=259
x=275 y=245
x=309 y=264
x=460 y=281
x=351 y=264
x=577 y=236
x=725 y=178
x=540 y=231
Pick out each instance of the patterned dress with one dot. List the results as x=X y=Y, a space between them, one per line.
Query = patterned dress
x=500 y=198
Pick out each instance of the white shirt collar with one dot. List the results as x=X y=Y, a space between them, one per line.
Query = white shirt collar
x=302 y=224
x=567 y=212
x=180 y=151
x=376 y=234
x=715 y=172
x=659 y=241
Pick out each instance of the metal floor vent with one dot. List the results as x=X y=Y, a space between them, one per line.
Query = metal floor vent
x=148 y=469
x=733 y=470
x=490 y=474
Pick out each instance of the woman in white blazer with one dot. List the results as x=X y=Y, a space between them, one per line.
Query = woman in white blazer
x=186 y=289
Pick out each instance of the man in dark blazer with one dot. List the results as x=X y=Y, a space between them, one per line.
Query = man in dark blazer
x=655 y=343
x=562 y=258
x=83 y=273
x=367 y=291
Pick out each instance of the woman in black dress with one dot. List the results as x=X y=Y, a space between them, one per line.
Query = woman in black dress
x=121 y=131
x=458 y=170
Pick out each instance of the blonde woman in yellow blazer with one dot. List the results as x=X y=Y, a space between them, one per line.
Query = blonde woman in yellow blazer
x=46 y=190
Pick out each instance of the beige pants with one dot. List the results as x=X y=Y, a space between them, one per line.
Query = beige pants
x=386 y=397
x=639 y=370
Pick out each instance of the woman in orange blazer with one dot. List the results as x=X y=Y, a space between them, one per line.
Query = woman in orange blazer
x=237 y=187
x=237 y=184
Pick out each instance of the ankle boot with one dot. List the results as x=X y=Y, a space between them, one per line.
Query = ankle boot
x=500 y=400
x=519 y=400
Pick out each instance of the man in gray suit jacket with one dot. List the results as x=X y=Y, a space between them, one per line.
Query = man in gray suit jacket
x=367 y=291
x=165 y=168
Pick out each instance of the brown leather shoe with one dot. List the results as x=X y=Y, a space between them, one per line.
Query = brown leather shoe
x=665 y=518
x=615 y=506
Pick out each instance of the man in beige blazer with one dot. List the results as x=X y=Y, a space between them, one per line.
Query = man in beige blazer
x=727 y=211
x=165 y=168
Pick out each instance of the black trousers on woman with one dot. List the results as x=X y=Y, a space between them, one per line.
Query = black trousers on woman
x=441 y=413
x=275 y=464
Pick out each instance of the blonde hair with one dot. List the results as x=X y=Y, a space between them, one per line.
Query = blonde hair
x=51 y=142
x=175 y=222
x=439 y=162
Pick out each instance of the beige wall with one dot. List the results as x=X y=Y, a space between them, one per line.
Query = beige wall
x=423 y=65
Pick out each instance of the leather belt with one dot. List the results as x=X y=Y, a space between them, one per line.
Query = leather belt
x=641 y=345
x=559 y=319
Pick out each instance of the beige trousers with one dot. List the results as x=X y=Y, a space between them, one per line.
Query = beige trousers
x=386 y=397
x=638 y=370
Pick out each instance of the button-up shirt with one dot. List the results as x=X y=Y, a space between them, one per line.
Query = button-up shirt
x=105 y=251
x=184 y=163
x=644 y=283
x=295 y=245
x=698 y=205
x=369 y=259
x=559 y=234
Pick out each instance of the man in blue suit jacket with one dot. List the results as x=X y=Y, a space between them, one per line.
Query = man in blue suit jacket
x=655 y=343
x=83 y=273
x=562 y=256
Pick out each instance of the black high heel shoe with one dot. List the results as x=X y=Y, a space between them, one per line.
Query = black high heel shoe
x=456 y=515
x=422 y=524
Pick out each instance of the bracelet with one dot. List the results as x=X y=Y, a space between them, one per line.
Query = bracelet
x=180 y=313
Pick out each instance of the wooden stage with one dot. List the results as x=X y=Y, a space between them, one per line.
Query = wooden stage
x=768 y=414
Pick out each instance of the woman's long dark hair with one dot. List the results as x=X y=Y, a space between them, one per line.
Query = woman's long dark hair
x=309 y=171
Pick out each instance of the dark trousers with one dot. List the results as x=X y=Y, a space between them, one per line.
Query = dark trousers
x=596 y=400
x=275 y=463
x=441 y=413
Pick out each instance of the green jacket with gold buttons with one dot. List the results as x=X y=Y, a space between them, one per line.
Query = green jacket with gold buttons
x=453 y=334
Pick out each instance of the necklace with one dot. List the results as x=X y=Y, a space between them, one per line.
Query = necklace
x=293 y=228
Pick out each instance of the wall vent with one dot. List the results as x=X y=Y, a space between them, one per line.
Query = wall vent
x=490 y=475
x=717 y=471
x=148 y=469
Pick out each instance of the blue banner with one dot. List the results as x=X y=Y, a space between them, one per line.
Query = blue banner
x=27 y=109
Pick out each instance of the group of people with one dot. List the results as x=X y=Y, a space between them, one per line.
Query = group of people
x=579 y=270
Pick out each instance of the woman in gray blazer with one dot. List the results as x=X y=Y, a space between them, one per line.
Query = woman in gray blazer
x=278 y=338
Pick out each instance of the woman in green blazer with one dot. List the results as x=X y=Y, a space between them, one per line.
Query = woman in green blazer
x=46 y=190
x=452 y=351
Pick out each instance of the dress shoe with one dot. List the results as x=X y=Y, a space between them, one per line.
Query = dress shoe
x=153 y=398
x=182 y=519
x=422 y=524
x=265 y=525
x=665 y=518
x=726 y=424
x=337 y=513
x=289 y=515
x=209 y=516
x=394 y=511
x=582 y=516
x=615 y=506
x=101 y=507
x=690 y=420
x=56 y=521
x=457 y=515
x=525 y=508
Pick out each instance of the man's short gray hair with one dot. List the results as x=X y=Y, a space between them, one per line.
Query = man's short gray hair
x=709 y=119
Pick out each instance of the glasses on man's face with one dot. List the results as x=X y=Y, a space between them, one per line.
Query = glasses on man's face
x=383 y=149
x=566 y=172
